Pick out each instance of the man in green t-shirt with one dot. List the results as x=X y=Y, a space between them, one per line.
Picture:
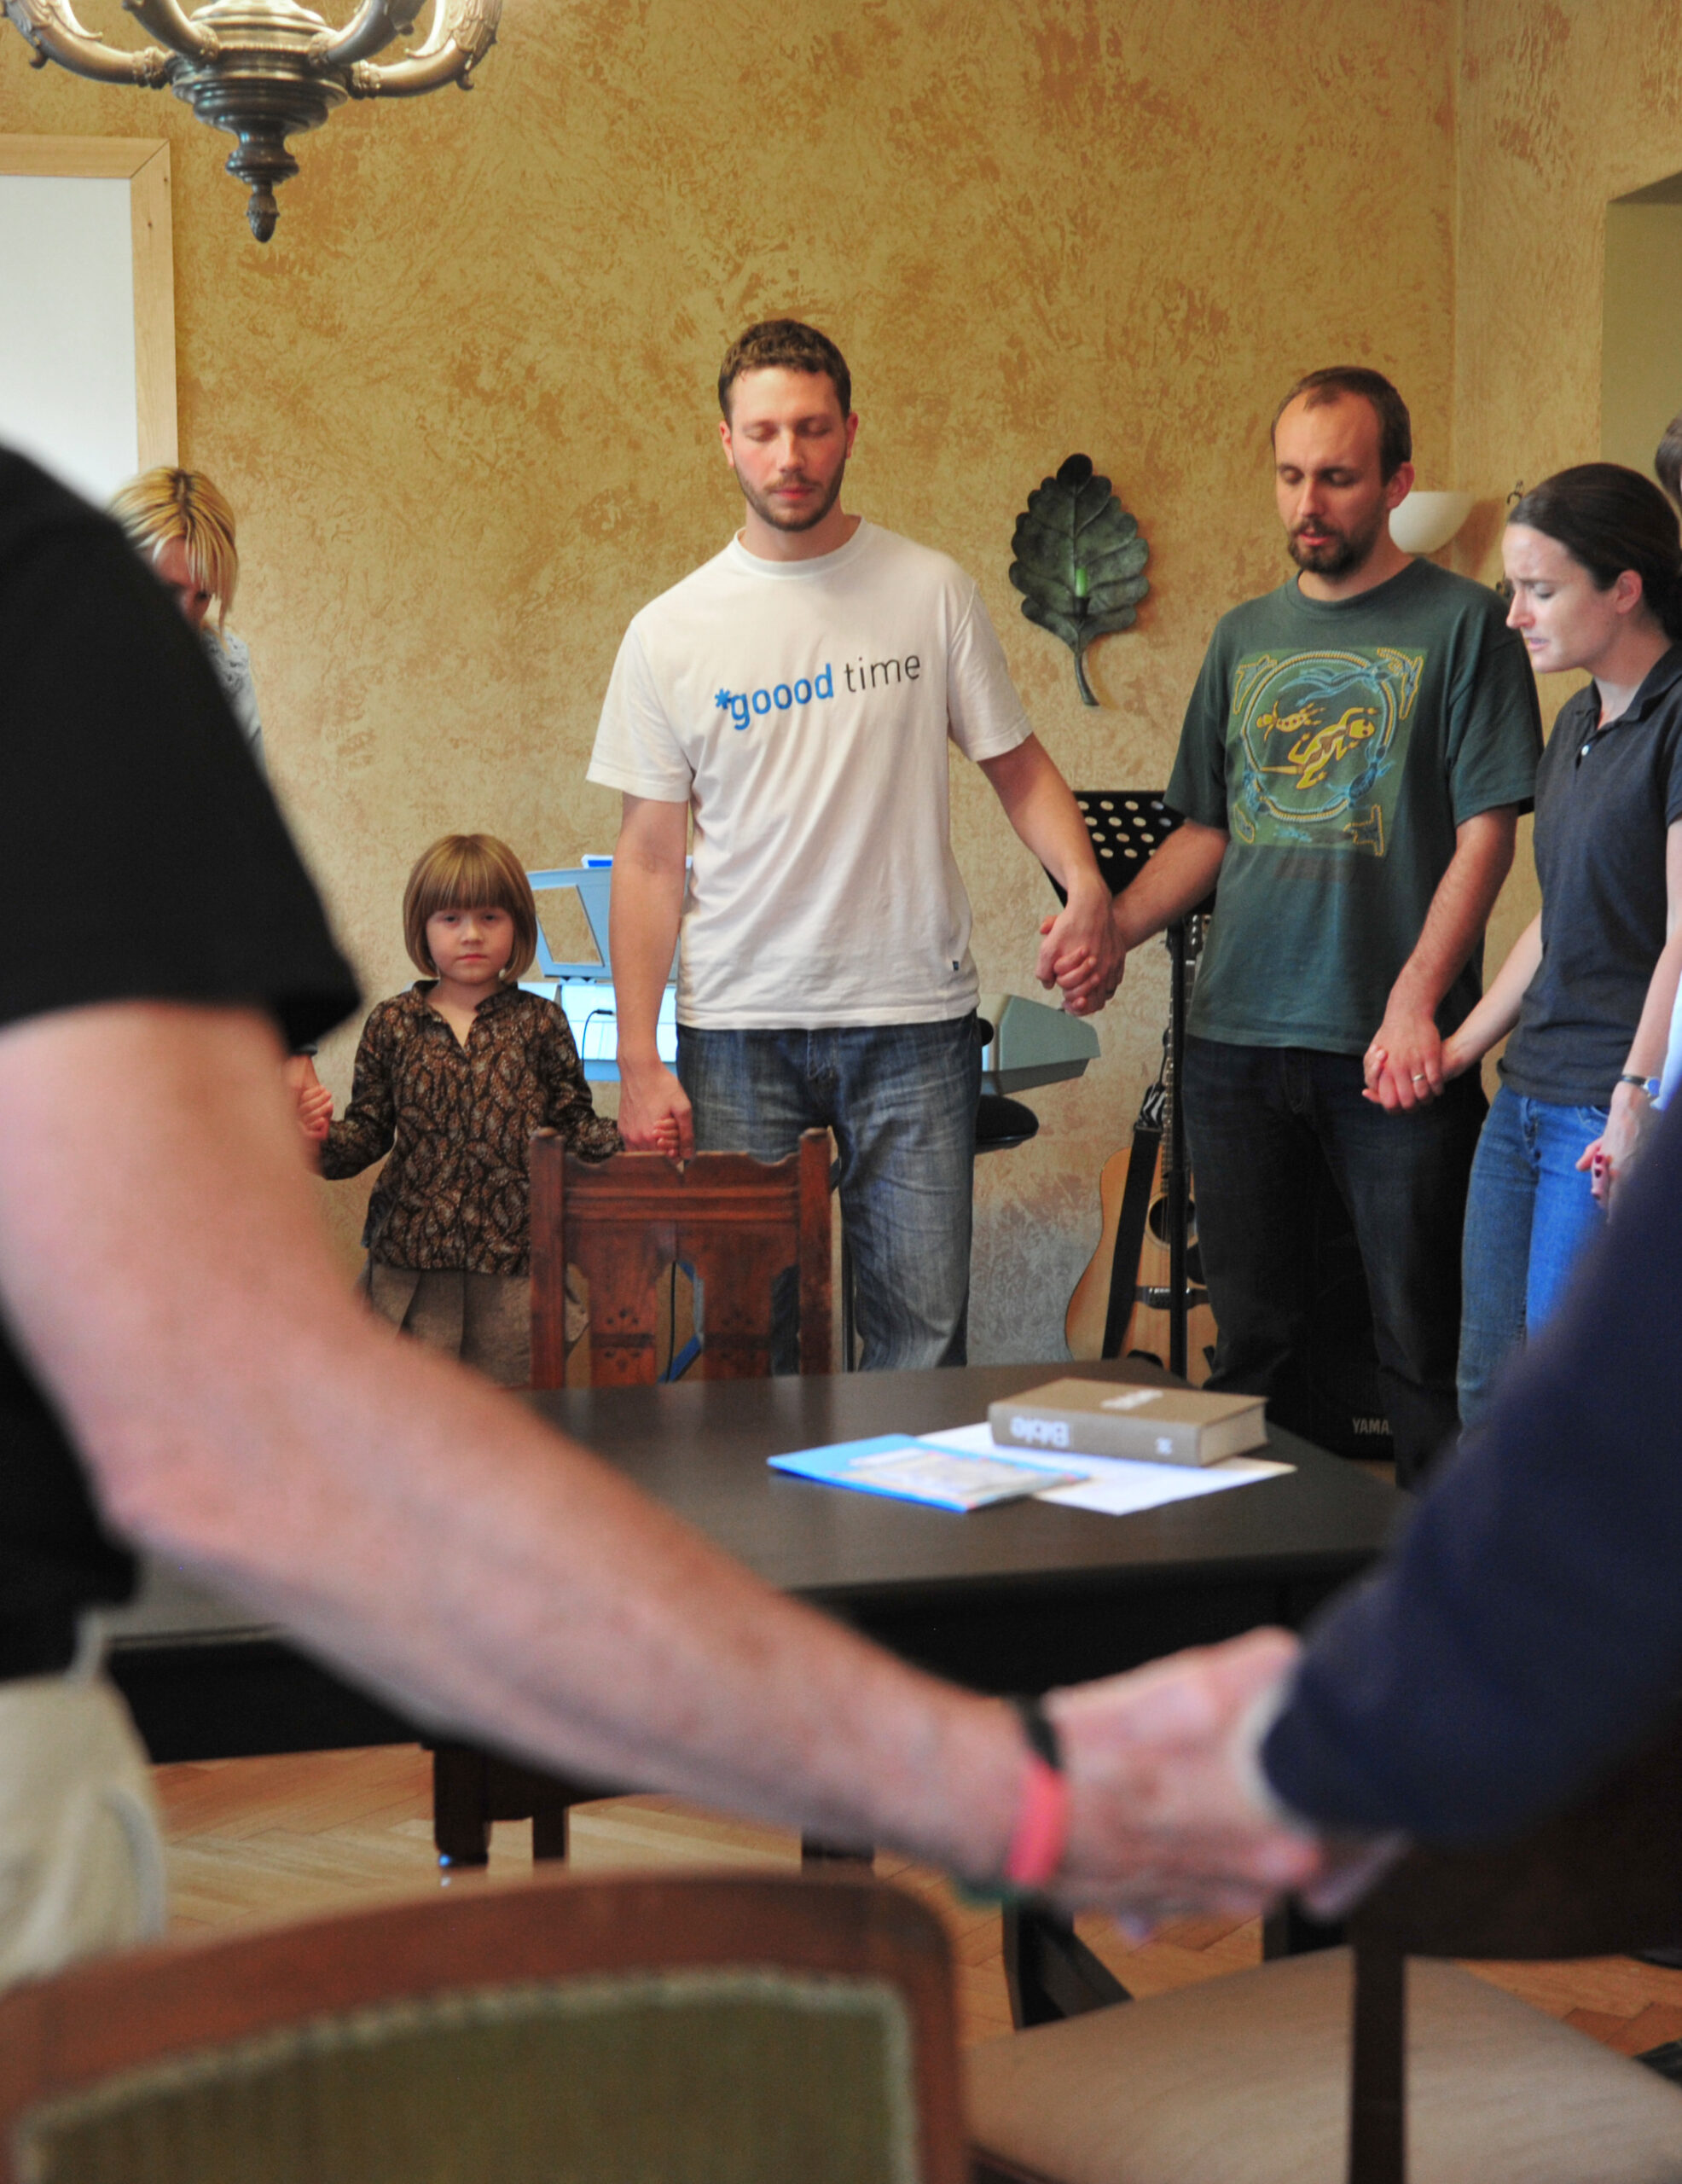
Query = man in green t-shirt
x=1354 y=761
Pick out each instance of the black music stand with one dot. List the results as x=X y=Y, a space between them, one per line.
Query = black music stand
x=1128 y=826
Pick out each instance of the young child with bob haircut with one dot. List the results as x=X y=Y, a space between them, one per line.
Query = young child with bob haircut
x=452 y=1077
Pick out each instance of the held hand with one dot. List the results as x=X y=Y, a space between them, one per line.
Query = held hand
x=1088 y=980
x=1403 y=1066
x=1611 y=1158
x=1166 y=1815
x=1082 y=990
x=654 y=1113
x=1456 y=1060
x=1373 y=1069
x=1079 y=950
x=315 y=1112
x=1599 y=1170
x=298 y=1074
x=1353 y=1865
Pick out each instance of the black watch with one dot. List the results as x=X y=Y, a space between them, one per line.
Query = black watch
x=1041 y=1731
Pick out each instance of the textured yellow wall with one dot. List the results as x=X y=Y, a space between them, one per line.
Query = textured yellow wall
x=1561 y=108
x=461 y=401
x=1641 y=329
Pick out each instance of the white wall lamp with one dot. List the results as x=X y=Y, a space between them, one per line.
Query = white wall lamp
x=1423 y=523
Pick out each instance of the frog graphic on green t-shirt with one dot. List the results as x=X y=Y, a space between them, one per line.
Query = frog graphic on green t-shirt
x=1321 y=738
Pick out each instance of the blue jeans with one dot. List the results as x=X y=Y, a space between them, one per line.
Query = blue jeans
x=1530 y=1219
x=901 y=1099
x=1259 y=1121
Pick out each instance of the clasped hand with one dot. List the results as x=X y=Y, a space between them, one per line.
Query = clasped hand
x=1408 y=1065
x=1609 y=1161
x=313 y=1099
x=1080 y=953
x=1169 y=1813
x=655 y=1115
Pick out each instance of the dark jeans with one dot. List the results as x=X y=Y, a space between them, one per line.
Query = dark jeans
x=1258 y=1122
x=901 y=1099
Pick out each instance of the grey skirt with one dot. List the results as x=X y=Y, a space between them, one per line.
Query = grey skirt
x=482 y=1319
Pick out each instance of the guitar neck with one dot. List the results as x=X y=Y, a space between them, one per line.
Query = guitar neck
x=1191 y=953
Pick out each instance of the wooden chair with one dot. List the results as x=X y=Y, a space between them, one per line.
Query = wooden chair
x=1315 y=2068
x=738 y=1223
x=696 y=2030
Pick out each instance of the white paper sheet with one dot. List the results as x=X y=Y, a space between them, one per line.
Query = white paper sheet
x=1117 y=1487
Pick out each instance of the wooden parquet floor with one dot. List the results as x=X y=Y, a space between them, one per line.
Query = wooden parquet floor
x=256 y=1840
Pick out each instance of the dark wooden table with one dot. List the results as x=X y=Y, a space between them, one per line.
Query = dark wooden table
x=1013 y=1598
x=1010 y=1598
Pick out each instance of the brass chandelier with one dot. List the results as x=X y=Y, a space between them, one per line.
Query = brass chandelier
x=264 y=69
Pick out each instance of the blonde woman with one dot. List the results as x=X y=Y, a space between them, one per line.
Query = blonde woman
x=182 y=525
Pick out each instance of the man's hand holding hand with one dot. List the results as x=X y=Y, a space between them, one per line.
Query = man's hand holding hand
x=654 y=1112
x=1167 y=1813
x=1079 y=950
x=1405 y=1063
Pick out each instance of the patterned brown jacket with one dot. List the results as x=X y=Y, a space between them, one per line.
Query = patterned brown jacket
x=457 y=1121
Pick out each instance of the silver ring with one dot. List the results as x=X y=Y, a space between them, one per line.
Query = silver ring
x=1420 y=1078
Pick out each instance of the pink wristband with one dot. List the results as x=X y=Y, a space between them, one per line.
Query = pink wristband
x=1041 y=1830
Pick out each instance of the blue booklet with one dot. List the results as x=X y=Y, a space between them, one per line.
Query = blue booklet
x=911 y=1469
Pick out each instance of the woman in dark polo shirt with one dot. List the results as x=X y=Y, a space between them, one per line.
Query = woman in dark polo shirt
x=1593 y=559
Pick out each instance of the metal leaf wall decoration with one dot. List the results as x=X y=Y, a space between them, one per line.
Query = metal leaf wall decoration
x=1078 y=558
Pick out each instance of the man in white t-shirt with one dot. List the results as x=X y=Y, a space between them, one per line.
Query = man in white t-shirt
x=796 y=694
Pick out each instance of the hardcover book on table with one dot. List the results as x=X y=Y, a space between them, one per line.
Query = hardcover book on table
x=1151 y=1425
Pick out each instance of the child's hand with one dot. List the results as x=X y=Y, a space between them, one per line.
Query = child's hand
x=315 y=1112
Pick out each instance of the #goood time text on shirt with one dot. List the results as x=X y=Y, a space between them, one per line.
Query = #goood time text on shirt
x=804 y=708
